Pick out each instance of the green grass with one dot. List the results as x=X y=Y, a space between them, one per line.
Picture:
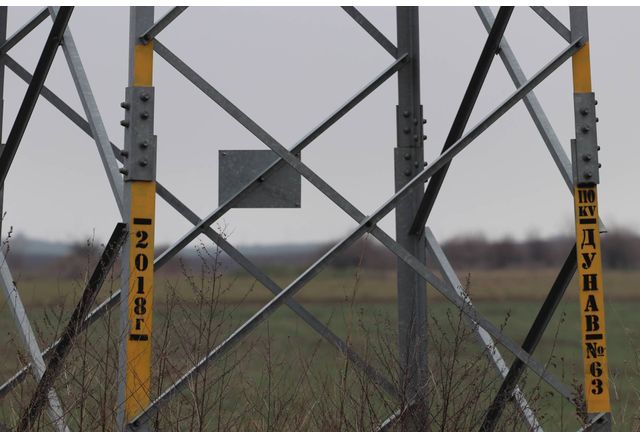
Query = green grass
x=274 y=365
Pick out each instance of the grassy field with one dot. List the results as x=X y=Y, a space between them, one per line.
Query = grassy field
x=285 y=377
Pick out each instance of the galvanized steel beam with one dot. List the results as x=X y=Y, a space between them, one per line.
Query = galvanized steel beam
x=63 y=347
x=544 y=72
x=250 y=125
x=532 y=104
x=367 y=225
x=98 y=131
x=189 y=215
x=315 y=324
x=159 y=25
x=93 y=316
x=462 y=116
x=323 y=330
x=371 y=30
x=485 y=340
x=552 y=21
x=589 y=258
x=33 y=91
x=24 y=31
x=29 y=340
x=415 y=265
x=3 y=39
x=533 y=337
x=413 y=373
x=136 y=304
x=253 y=128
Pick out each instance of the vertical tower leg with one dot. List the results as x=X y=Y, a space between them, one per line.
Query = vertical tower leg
x=3 y=38
x=409 y=159
x=139 y=192
x=585 y=179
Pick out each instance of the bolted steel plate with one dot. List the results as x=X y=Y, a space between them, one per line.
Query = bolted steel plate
x=237 y=168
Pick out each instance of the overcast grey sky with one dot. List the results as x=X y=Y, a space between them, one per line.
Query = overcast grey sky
x=288 y=68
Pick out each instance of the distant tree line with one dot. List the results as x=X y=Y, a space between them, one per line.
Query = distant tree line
x=620 y=250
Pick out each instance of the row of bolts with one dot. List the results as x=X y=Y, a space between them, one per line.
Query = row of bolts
x=125 y=123
x=406 y=130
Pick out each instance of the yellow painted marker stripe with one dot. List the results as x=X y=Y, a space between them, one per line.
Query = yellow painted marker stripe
x=141 y=254
x=143 y=65
x=582 y=70
x=139 y=339
x=590 y=280
x=591 y=288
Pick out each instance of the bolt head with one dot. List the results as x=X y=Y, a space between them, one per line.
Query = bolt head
x=261 y=179
x=124 y=171
x=588 y=175
x=144 y=115
x=586 y=157
x=407 y=172
x=406 y=113
x=144 y=97
x=424 y=137
x=424 y=121
x=125 y=105
x=124 y=123
x=585 y=129
x=124 y=153
x=407 y=156
x=143 y=162
x=584 y=111
x=406 y=130
x=144 y=144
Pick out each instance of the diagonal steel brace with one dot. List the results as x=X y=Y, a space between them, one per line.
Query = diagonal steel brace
x=315 y=324
x=367 y=225
x=161 y=24
x=56 y=360
x=484 y=338
x=33 y=91
x=371 y=30
x=463 y=114
x=29 y=340
x=98 y=130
